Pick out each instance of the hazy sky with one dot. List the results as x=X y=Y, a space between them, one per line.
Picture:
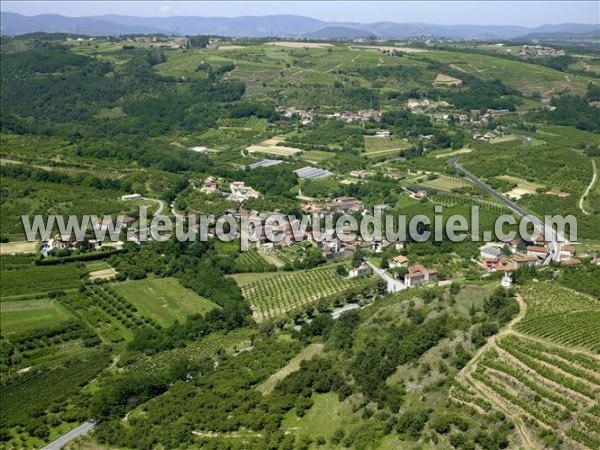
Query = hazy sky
x=527 y=13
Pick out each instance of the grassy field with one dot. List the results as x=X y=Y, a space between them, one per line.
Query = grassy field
x=19 y=316
x=377 y=147
x=163 y=299
x=446 y=182
x=271 y=147
x=316 y=156
x=326 y=415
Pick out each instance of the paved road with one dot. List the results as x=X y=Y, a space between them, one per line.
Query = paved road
x=68 y=437
x=557 y=238
x=587 y=191
x=161 y=205
x=393 y=285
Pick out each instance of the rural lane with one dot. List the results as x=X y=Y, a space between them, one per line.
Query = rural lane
x=589 y=188
x=555 y=244
x=59 y=443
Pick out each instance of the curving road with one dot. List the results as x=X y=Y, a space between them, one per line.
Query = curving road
x=557 y=238
x=589 y=188
x=59 y=443
x=393 y=285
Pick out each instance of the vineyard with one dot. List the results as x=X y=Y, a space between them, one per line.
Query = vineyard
x=36 y=390
x=283 y=293
x=450 y=199
x=555 y=388
x=195 y=352
x=252 y=123
x=251 y=261
x=113 y=317
x=39 y=279
x=533 y=375
x=561 y=315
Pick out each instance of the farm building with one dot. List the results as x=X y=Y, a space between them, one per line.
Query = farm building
x=539 y=252
x=419 y=274
x=312 y=173
x=132 y=197
x=265 y=163
x=490 y=253
x=359 y=271
x=399 y=261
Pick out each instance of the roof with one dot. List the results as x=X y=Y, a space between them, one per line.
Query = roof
x=400 y=259
x=491 y=251
x=312 y=173
x=416 y=268
x=569 y=248
x=265 y=163
x=534 y=248
x=519 y=259
x=571 y=262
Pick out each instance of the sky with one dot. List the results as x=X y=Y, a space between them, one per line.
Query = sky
x=525 y=13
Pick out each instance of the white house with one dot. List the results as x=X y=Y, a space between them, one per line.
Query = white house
x=359 y=271
x=132 y=197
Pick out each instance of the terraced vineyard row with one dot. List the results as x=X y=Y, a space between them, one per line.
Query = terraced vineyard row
x=194 y=352
x=561 y=315
x=556 y=388
x=579 y=329
x=545 y=299
x=288 y=292
x=464 y=394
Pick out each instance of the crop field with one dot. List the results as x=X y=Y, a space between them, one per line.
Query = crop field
x=39 y=279
x=299 y=44
x=15 y=248
x=526 y=77
x=271 y=146
x=112 y=316
x=163 y=299
x=316 y=156
x=25 y=197
x=196 y=351
x=286 y=292
x=546 y=384
x=252 y=261
x=36 y=390
x=543 y=369
x=23 y=315
x=252 y=123
x=182 y=64
x=376 y=147
x=447 y=183
x=560 y=315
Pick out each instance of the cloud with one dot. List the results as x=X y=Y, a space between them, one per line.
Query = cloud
x=164 y=9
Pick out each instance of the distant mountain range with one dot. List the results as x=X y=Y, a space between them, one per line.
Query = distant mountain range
x=269 y=26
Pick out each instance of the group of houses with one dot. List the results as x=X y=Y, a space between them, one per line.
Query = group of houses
x=511 y=255
x=362 y=116
x=539 y=50
x=339 y=205
x=240 y=192
x=305 y=115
